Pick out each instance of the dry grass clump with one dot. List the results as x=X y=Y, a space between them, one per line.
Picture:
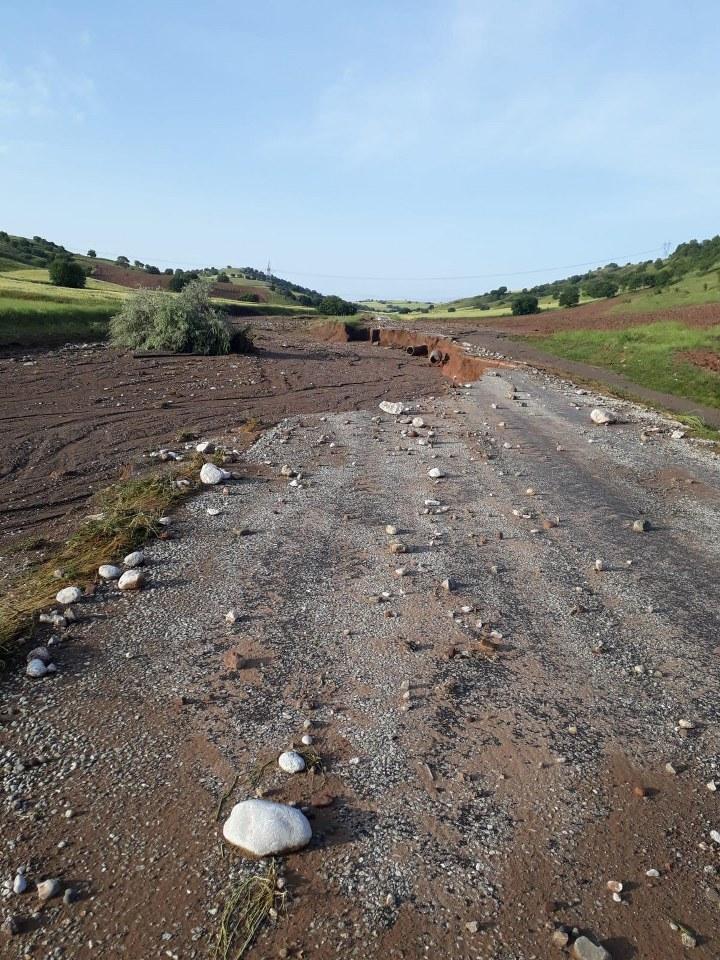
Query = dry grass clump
x=126 y=517
x=247 y=907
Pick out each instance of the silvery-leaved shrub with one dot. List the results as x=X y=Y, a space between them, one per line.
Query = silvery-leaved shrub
x=185 y=322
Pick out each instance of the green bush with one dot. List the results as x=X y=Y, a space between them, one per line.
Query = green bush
x=222 y=277
x=250 y=297
x=91 y=253
x=336 y=306
x=569 y=296
x=524 y=304
x=65 y=272
x=186 y=323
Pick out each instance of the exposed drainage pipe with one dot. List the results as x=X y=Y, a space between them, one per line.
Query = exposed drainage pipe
x=436 y=357
x=418 y=351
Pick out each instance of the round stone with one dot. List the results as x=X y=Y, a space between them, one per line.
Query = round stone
x=68 y=595
x=291 y=762
x=263 y=828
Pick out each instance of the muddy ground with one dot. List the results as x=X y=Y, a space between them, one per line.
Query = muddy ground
x=494 y=753
x=73 y=420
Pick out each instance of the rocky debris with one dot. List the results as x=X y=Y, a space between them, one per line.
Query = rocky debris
x=394 y=409
x=687 y=937
x=68 y=595
x=640 y=526
x=47 y=889
x=11 y=926
x=391 y=530
x=210 y=474
x=291 y=762
x=132 y=580
x=39 y=653
x=36 y=669
x=107 y=571
x=435 y=473
x=19 y=883
x=264 y=828
x=601 y=415
x=585 y=949
x=677 y=434
x=205 y=446
x=560 y=938
x=418 y=422
x=134 y=559
x=288 y=471
x=306 y=739
x=232 y=616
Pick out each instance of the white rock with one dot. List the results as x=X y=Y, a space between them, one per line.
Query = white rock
x=306 y=739
x=677 y=434
x=210 y=474
x=205 y=446
x=600 y=415
x=435 y=473
x=232 y=616
x=391 y=530
x=213 y=511
x=48 y=888
x=36 y=668
x=291 y=762
x=395 y=409
x=264 y=828
x=69 y=595
x=715 y=835
x=131 y=580
x=109 y=572
x=418 y=422
x=585 y=949
x=19 y=883
x=134 y=559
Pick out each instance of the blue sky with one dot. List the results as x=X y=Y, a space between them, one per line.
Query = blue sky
x=395 y=141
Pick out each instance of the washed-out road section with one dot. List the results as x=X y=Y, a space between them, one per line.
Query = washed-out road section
x=494 y=753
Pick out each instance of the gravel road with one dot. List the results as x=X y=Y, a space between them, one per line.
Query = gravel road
x=495 y=723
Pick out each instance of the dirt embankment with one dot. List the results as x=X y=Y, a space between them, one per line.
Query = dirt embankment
x=445 y=354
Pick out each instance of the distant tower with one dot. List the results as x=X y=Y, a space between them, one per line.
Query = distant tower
x=666 y=249
x=269 y=269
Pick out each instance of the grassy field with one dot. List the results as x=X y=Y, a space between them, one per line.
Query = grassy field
x=692 y=289
x=650 y=355
x=34 y=312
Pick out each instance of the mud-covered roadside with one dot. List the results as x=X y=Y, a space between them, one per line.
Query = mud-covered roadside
x=73 y=420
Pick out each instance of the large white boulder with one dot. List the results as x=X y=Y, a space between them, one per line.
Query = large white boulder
x=134 y=559
x=108 y=571
x=211 y=475
x=600 y=415
x=68 y=595
x=263 y=828
x=395 y=409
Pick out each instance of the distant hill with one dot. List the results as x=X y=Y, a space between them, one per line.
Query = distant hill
x=692 y=257
x=16 y=252
x=231 y=283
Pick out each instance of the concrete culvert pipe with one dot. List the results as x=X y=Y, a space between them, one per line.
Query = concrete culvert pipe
x=436 y=356
x=420 y=351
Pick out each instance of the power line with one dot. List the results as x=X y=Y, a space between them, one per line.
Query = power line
x=470 y=276
x=281 y=271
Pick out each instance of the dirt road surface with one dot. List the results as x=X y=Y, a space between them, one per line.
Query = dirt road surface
x=494 y=753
